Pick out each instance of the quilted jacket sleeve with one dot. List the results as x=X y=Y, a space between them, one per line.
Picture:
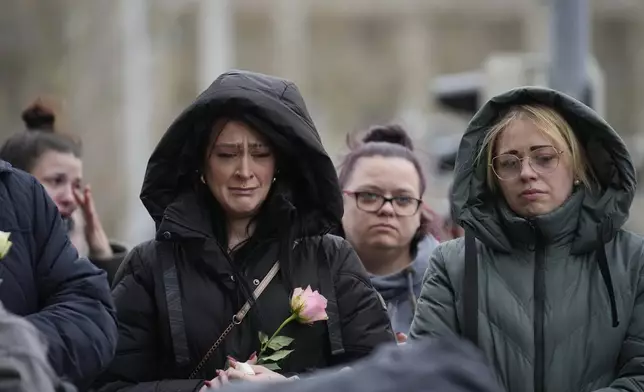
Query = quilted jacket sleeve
x=77 y=314
x=436 y=310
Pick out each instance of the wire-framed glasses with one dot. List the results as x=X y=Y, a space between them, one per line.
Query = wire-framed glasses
x=542 y=160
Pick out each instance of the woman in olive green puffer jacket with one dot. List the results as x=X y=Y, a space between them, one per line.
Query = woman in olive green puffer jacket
x=553 y=293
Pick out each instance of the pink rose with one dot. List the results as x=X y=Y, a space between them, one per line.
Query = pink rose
x=308 y=306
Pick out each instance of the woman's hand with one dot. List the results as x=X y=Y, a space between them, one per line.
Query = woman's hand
x=99 y=245
x=235 y=372
x=216 y=383
x=262 y=374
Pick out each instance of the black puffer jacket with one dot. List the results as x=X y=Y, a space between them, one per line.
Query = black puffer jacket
x=156 y=355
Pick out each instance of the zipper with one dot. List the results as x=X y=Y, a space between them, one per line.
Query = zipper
x=539 y=310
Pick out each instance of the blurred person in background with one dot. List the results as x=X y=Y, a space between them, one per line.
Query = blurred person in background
x=239 y=182
x=54 y=158
x=385 y=219
x=43 y=280
x=546 y=281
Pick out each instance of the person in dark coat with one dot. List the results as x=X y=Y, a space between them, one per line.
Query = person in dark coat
x=42 y=279
x=239 y=181
x=54 y=158
x=432 y=365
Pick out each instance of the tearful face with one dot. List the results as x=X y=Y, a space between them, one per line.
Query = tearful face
x=240 y=167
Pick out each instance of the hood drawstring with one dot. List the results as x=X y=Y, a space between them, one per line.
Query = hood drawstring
x=409 y=273
x=602 y=260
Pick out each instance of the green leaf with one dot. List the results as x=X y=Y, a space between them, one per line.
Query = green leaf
x=272 y=366
x=279 y=342
x=278 y=355
x=263 y=338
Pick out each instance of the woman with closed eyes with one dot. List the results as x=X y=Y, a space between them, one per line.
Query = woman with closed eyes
x=238 y=185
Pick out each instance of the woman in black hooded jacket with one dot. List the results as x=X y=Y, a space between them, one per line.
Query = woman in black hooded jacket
x=238 y=182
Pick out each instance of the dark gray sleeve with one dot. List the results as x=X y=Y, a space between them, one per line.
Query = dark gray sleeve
x=446 y=365
x=436 y=310
x=23 y=357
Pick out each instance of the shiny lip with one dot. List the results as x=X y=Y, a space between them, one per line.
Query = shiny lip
x=242 y=189
x=531 y=192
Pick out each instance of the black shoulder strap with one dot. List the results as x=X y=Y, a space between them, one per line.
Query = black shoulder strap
x=172 y=291
x=328 y=289
x=470 y=290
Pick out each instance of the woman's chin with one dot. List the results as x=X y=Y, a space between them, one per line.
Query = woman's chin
x=243 y=209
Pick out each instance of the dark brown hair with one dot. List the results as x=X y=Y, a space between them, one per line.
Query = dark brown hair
x=388 y=141
x=23 y=149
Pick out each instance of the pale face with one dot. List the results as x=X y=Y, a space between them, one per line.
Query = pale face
x=533 y=193
x=384 y=229
x=240 y=167
x=61 y=174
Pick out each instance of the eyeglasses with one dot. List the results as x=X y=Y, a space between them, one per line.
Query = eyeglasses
x=373 y=202
x=542 y=160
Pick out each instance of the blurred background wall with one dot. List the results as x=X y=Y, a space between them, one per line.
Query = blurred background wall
x=125 y=69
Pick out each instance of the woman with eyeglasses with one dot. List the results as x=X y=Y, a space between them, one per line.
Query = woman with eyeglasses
x=385 y=220
x=546 y=282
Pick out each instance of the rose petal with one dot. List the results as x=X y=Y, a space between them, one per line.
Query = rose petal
x=314 y=307
x=297 y=301
x=5 y=244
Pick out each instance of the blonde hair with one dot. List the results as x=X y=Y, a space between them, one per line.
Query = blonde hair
x=553 y=126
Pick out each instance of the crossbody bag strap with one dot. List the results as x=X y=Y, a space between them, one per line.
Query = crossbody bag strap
x=237 y=318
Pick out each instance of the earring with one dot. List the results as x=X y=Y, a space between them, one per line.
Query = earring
x=274 y=179
x=203 y=180
x=577 y=182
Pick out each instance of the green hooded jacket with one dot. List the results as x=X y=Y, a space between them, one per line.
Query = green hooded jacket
x=547 y=318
